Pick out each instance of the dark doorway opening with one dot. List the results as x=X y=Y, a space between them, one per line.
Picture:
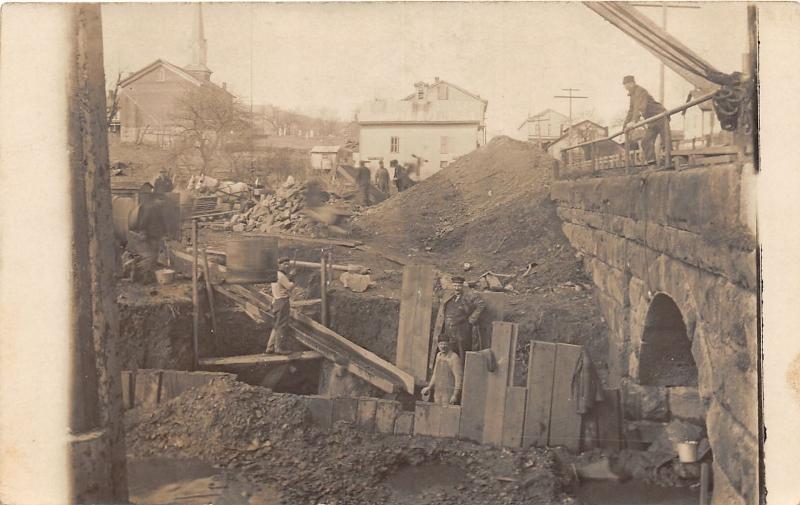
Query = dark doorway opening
x=666 y=357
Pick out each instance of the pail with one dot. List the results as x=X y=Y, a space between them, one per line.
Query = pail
x=252 y=260
x=165 y=276
x=121 y=210
x=687 y=451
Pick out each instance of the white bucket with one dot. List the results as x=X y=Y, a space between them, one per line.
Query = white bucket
x=687 y=451
x=165 y=276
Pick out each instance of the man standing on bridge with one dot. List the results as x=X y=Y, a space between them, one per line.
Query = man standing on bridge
x=281 y=289
x=458 y=313
x=644 y=106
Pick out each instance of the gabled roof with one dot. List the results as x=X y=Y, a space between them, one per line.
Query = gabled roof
x=540 y=114
x=173 y=68
x=459 y=88
x=567 y=129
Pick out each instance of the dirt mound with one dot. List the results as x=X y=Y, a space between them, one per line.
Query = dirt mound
x=269 y=438
x=492 y=209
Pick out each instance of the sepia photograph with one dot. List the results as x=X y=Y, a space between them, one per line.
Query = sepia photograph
x=402 y=253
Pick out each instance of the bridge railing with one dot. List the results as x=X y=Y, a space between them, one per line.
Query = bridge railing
x=591 y=159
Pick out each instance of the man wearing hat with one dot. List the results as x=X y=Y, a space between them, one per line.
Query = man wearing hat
x=281 y=289
x=458 y=313
x=162 y=183
x=644 y=106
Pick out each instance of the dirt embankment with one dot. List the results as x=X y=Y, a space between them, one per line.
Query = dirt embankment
x=492 y=209
x=269 y=437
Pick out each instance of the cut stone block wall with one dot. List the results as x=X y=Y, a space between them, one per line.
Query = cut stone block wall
x=687 y=235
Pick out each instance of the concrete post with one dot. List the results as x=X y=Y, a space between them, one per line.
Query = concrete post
x=54 y=153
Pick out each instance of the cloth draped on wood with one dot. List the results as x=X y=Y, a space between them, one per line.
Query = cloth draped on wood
x=586 y=386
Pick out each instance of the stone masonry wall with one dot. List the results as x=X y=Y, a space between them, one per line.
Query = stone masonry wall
x=688 y=235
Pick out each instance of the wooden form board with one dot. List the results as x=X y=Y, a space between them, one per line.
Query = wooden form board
x=541 y=368
x=265 y=359
x=514 y=416
x=473 y=397
x=495 y=311
x=449 y=420
x=504 y=345
x=565 y=421
x=414 y=330
x=332 y=346
x=427 y=419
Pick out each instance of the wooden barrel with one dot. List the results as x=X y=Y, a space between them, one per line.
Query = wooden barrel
x=121 y=209
x=252 y=260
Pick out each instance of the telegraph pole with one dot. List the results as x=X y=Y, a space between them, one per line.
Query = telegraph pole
x=571 y=97
x=664 y=7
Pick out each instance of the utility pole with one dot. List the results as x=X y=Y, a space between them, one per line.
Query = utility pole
x=665 y=6
x=570 y=97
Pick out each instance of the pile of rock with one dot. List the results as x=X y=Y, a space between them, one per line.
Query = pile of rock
x=281 y=211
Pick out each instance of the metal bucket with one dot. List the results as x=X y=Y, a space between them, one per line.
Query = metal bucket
x=122 y=208
x=252 y=260
x=687 y=451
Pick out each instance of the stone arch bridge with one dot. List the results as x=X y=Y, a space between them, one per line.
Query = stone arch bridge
x=673 y=256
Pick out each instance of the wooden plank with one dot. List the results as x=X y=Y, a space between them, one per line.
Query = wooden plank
x=495 y=311
x=147 y=388
x=504 y=344
x=321 y=409
x=609 y=420
x=449 y=421
x=307 y=240
x=565 y=422
x=427 y=419
x=473 y=398
x=365 y=414
x=127 y=389
x=386 y=412
x=414 y=331
x=265 y=359
x=404 y=423
x=332 y=346
x=514 y=419
x=541 y=367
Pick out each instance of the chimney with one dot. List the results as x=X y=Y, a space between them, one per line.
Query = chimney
x=436 y=79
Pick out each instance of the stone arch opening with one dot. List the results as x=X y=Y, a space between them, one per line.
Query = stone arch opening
x=666 y=355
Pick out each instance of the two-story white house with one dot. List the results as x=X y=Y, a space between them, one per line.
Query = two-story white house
x=429 y=128
x=544 y=127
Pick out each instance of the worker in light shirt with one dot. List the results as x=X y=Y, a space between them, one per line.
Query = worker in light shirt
x=281 y=289
x=447 y=376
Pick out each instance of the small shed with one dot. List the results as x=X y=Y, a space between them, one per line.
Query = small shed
x=328 y=157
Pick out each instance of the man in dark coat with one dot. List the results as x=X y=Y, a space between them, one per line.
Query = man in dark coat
x=162 y=183
x=399 y=176
x=644 y=106
x=458 y=313
x=363 y=178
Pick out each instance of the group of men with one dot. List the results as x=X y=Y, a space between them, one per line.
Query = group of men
x=401 y=178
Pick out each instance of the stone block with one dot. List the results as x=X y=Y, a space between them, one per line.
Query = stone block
x=345 y=409
x=724 y=493
x=647 y=403
x=90 y=465
x=449 y=419
x=404 y=423
x=735 y=451
x=685 y=403
x=427 y=419
x=320 y=409
x=365 y=414
x=386 y=412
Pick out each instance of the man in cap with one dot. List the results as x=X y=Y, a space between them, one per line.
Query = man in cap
x=281 y=289
x=162 y=183
x=644 y=106
x=363 y=180
x=458 y=313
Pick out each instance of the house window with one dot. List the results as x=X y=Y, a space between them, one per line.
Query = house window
x=395 y=145
x=420 y=93
x=444 y=142
x=442 y=92
x=443 y=164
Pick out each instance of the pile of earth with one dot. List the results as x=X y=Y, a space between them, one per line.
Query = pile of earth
x=491 y=209
x=269 y=438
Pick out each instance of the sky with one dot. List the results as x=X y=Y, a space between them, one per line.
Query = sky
x=327 y=58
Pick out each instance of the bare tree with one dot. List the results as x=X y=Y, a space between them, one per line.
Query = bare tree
x=208 y=117
x=112 y=102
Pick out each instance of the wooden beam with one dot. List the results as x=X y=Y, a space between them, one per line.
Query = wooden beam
x=514 y=418
x=504 y=345
x=565 y=421
x=473 y=397
x=541 y=368
x=414 y=331
x=261 y=359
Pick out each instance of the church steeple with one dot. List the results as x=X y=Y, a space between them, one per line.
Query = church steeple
x=198 y=67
